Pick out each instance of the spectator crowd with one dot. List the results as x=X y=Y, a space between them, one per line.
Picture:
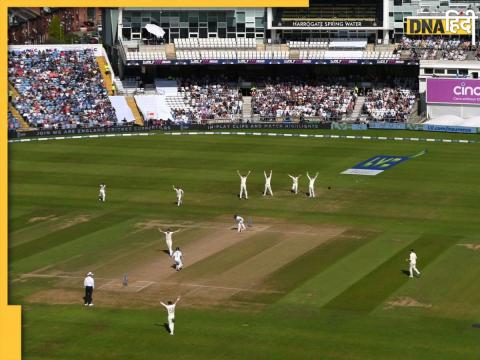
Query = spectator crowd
x=206 y=100
x=12 y=121
x=389 y=104
x=60 y=89
x=430 y=48
x=297 y=99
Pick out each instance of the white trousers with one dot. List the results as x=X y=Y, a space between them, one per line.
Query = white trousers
x=243 y=190
x=268 y=188
x=241 y=226
x=295 y=188
x=102 y=195
x=412 y=268
x=171 y=323
x=178 y=264
x=179 y=200
x=169 y=245
x=311 y=191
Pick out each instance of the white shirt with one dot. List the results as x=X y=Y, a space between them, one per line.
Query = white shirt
x=170 y=310
x=102 y=187
x=267 y=179
x=168 y=235
x=295 y=179
x=239 y=219
x=177 y=255
x=179 y=192
x=243 y=180
x=413 y=258
x=89 y=282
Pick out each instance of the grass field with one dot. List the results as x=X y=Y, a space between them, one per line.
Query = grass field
x=319 y=278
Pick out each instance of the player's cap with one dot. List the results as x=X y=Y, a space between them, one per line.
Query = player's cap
x=90 y=274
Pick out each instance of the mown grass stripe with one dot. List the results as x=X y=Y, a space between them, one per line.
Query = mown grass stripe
x=63 y=236
x=229 y=257
x=373 y=289
x=307 y=266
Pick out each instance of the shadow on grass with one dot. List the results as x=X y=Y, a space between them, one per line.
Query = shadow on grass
x=164 y=325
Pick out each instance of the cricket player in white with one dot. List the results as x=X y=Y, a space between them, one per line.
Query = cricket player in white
x=178 y=258
x=311 y=185
x=171 y=314
x=168 y=239
x=102 y=194
x=179 y=195
x=295 y=183
x=413 y=263
x=268 y=186
x=240 y=223
x=243 y=184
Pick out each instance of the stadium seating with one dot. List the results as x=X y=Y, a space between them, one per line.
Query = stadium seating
x=350 y=54
x=389 y=104
x=60 y=88
x=145 y=55
x=230 y=54
x=122 y=110
x=321 y=44
x=215 y=43
x=296 y=99
x=12 y=122
x=205 y=100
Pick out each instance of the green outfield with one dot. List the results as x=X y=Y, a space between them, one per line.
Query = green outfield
x=321 y=278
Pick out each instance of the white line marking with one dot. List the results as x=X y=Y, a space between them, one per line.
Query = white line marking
x=147 y=283
x=241 y=133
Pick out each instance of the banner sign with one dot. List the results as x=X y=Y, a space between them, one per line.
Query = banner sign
x=168 y=127
x=452 y=129
x=375 y=165
x=386 y=125
x=267 y=126
x=343 y=126
x=453 y=23
x=273 y=62
x=326 y=23
x=453 y=91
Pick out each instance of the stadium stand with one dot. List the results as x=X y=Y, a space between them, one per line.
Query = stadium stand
x=122 y=109
x=433 y=48
x=294 y=99
x=153 y=107
x=389 y=104
x=215 y=43
x=60 y=88
x=206 y=100
x=13 y=123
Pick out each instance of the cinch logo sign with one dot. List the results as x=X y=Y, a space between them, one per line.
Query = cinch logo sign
x=453 y=23
x=453 y=91
x=466 y=90
x=375 y=165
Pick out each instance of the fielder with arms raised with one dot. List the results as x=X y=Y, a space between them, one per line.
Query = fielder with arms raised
x=171 y=313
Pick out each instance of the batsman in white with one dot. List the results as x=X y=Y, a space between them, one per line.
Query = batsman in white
x=168 y=239
x=178 y=258
x=311 y=185
x=243 y=184
x=412 y=260
x=102 y=192
x=179 y=195
x=268 y=185
x=295 y=183
x=171 y=313
x=240 y=223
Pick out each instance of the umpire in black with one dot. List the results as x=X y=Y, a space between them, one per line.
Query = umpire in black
x=89 y=284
